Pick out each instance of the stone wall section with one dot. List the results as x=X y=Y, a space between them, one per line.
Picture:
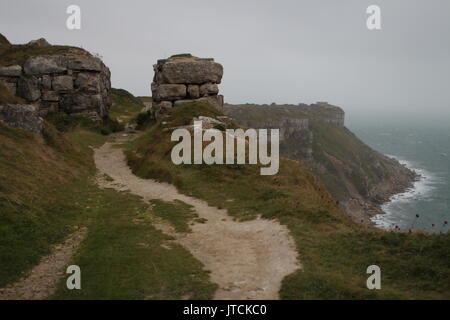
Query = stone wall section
x=77 y=85
x=184 y=78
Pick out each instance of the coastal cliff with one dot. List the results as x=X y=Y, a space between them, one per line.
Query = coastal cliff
x=360 y=178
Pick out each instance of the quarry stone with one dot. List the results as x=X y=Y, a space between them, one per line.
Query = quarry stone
x=11 y=71
x=28 y=88
x=50 y=96
x=62 y=83
x=195 y=71
x=193 y=91
x=88 y=81
x=170 y=92
x=184 y=78
x=209 y=89
x=76 y=83
x=46 y=82
x=24 y=117
x=38 y=65
x=85 y=64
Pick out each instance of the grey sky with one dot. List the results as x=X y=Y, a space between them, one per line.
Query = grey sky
x=272 y=51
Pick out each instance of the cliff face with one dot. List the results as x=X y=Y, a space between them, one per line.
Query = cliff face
x=56 y=78
x=358 y=177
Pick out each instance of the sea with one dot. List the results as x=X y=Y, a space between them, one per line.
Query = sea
x=424 y=146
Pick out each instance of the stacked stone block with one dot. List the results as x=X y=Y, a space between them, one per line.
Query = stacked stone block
x=76 y=84
x=185 y=78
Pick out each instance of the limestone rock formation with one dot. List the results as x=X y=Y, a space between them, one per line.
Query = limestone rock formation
x=185 y=78
x=72 y=81
x=21 y=116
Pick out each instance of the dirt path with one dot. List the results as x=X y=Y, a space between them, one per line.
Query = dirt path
x=248 y=260
x=43 y=279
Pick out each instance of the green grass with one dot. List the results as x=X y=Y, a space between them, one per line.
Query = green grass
x=38 y=195
x=125 y=257
x=47 y=189
x=18 y=54
x=334 y=250
x=65 y=123
x=145 y=99
x=178 y=213
x=125 y=106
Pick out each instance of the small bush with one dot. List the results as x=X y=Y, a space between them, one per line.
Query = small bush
x=65 y=122
x=143 y=120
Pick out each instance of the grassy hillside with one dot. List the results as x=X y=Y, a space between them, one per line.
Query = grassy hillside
x=125 y=107
x=335 y=251
x=48 y=190
x=38 y=179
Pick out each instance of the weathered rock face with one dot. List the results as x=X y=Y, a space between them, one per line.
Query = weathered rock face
x=21 y=116
x=76 y=84
x=184 y=78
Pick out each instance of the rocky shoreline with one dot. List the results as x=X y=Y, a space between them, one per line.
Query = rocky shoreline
x=363 y=210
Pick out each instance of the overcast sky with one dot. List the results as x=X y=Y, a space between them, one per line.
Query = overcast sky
x=272 y=50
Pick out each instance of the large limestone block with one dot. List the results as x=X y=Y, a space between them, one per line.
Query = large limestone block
x=45 y=65
x=88 y=82
x=85 y=64
x=50 y=96
x=190 y=72
x=215 y=101
x=62 y=83
x=193 y=91
x=209 y=89
x=46 y=82
x=28 y=88
x=24 y=117
x=170 y=92
x=75 y=103
x=11 y=71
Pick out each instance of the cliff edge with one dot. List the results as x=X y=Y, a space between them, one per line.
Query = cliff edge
x=360 y=178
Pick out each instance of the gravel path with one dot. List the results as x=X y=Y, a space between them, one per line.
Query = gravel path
x=248 y=260
x=41 y=282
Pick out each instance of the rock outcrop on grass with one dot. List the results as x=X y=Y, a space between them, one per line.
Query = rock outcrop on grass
x=56 y=78
x=185 y=78
x=24 y=117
